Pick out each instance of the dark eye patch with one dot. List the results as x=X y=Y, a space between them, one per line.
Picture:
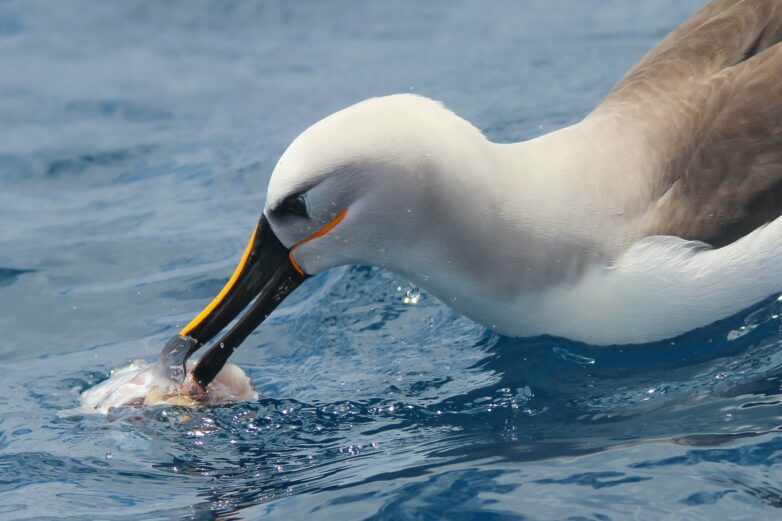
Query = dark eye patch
x=294 y=204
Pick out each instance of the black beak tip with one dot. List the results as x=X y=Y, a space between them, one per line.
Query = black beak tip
x=174 y=355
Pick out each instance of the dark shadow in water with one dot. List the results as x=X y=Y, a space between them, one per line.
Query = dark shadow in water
x=9 y=275
x=80 y=163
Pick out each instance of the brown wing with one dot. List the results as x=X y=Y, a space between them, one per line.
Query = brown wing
x=708 y=101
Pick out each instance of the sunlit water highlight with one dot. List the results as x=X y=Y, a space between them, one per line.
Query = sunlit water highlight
x=136 y=143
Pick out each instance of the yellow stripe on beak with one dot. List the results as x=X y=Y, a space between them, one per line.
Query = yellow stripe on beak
x=223 y=292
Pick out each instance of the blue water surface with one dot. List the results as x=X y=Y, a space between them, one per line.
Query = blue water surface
x=136 y=142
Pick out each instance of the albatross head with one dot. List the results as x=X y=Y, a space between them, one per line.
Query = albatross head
x=388 y=182
x=367 y=184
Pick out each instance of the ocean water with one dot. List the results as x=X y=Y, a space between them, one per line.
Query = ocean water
x=136 y=142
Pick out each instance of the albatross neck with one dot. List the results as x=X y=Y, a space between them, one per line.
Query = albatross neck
x=531 y=215
x=581 y=184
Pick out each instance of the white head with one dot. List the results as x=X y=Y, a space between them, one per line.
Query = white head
x=402 y=167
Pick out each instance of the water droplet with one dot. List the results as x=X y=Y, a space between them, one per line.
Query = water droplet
x=412 y=295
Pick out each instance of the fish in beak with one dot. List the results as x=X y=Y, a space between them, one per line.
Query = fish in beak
x=266 y=274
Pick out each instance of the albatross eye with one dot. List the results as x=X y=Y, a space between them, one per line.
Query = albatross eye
x=294 y=204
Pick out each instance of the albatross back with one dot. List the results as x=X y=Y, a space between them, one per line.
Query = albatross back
x=707 y=101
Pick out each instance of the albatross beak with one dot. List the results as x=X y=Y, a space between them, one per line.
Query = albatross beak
x=265 y=274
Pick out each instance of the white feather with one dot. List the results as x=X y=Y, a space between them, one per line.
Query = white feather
x=660 y=287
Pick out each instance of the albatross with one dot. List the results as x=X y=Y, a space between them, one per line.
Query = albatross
x=656 y=214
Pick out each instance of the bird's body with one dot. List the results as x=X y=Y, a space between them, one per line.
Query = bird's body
x=571 y=233
x=543 y=237
x=645 y=220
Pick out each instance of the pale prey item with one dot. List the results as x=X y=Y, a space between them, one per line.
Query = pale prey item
x=143 y=383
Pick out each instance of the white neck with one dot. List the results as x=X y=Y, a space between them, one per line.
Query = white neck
x=525 y=216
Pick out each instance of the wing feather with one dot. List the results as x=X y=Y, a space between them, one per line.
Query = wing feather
x=707 y=101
